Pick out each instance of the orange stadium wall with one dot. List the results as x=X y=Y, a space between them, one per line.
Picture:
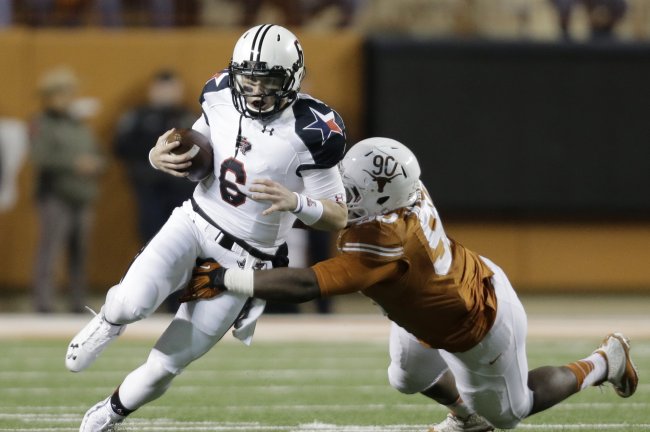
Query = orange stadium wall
x=114 y=67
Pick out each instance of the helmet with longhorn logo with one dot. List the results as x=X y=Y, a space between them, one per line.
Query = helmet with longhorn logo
x=380 y=175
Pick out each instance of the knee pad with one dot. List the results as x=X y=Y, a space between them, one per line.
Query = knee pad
x=157 y=369
x=407 y=382
x=123 y=307
x=496 y=407
x=180 y=344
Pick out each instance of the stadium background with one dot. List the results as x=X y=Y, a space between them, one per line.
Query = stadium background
x=535 y=152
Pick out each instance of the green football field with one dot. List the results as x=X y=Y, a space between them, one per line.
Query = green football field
x=280 y=387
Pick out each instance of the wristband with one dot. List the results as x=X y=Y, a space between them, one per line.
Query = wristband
x=239 y=281
x=308 y=210
x=150 y=162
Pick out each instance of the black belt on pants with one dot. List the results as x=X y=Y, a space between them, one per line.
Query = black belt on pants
x=280 y=259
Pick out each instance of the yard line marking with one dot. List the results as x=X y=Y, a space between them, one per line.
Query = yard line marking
x=39 y=411
x=239 y=374
x=167 y=425
x=583 y=426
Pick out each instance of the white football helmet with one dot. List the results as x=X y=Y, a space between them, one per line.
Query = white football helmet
x=266 y=70
x=380 y=175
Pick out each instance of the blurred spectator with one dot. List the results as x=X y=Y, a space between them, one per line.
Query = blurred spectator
x=347 y=9
x=603 y=16
x=108 y=13
x=290 y=11
x=299 y=12
x=68 y=165
x=71 y=13
x=6 y=13
x=156 y=193
x=13 y=147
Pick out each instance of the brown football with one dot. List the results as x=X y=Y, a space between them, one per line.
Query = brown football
x=199 y=145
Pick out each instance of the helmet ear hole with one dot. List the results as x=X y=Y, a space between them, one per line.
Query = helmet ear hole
x=382 y=200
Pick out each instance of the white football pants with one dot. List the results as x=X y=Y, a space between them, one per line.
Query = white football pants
x=162 y=267
x=492 y=377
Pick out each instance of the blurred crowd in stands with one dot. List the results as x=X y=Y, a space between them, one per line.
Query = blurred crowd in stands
x=65 y=193
x=530 y=19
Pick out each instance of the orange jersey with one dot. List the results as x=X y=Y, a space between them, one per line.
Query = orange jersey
x=428 y=284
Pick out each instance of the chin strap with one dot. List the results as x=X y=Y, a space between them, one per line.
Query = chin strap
x=239 y=140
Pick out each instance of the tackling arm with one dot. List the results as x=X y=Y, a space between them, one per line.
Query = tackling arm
x=335 y=276
x=290 y=285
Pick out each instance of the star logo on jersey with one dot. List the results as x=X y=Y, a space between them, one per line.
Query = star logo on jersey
x=325 y=124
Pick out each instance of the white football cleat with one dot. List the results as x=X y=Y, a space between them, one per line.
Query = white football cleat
x=473 y=423
x=101 y=418
x=86 y=346
x=621 y=372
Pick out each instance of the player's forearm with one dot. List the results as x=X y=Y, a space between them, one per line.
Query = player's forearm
x=334 y=218
x=289 y=285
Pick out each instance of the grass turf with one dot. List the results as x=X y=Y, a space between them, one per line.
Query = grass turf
x=320 y=387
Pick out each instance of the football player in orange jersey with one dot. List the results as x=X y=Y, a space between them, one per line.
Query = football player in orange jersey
x=459 y=330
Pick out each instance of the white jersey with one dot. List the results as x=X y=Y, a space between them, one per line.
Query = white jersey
x=298 y=148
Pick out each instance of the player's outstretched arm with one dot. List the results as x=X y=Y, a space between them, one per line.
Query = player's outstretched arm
x=290 y=285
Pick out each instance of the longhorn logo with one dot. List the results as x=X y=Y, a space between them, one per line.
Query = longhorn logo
x=385 y=170
x=382 y=181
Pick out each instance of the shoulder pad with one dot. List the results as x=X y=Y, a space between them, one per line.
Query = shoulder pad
x=219 y=81
x=372 y=239
x=322 y=130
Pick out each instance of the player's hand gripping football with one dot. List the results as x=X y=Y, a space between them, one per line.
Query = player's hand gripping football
x=206 y=281
x=161 y=156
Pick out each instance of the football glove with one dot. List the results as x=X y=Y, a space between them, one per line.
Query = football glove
x=206 y=282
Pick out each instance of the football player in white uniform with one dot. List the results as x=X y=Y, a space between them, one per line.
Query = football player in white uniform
x=275 y=159
x=459 y=331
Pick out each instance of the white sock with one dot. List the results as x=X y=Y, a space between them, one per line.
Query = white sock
x=459 y=409
x=590 y=370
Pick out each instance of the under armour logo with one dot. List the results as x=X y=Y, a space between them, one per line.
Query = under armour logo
x=119 y=410
x=241 y=263
x=269 y=131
